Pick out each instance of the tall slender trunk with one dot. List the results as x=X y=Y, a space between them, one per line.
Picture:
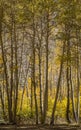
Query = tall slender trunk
x=68 y=95
x=40 y=81
x=40 y=68
x=68 y=62
x=31 y=104
x=72 y=96
x=16 y=72
x=33 y=80
x=46 y=81
x=33 y=70
x=58 y=87
x=11 y=83
x=78 y=76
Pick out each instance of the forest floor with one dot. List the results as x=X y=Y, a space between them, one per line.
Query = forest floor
x=40 y=127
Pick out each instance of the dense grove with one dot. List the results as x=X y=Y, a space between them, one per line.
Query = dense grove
x=40 y=61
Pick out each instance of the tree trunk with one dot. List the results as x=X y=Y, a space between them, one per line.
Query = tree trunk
x=46 y=81
x=2 y=103
x=58 y=86
x=16 y=73
x=33 y=70
x=68 y=95
x=72 y=96
x=78 y=76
